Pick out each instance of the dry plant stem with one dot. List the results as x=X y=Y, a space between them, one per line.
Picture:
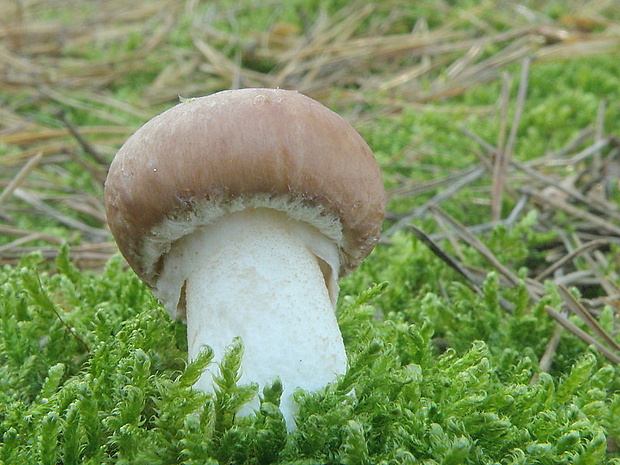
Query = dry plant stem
x=585 y=153
x=87 y=205
x=503 y=152
x=521 y=96
x=479 y=140
x=597 y=162
x=88 y=256
x=601 y=207
x=413 y=188
x=86 y=146
x=595 y=267
x=12 y=231
x=19 y=178
x=567 y=258
x=534 y=289
x=581 y=334
x=570 y=147
x=451 y=238
x=445 y=257
x=572 y=210
x=576 y=278
x=469 y=177
x=97 y=171
x=476 y=244
x=490 y=165
x=25 y=239
x=510 y=221
x=255 y=275
x=455 y=265
x=499 y=173
x=547 y=359
x=587 y=317
x=593 y=47
x=330 y=44
x=95 y=110
x=39 y=205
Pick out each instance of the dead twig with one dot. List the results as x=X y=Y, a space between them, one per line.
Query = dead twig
x=578 y=309
x=581 y=334
x=557 y=204
x=30 y=198
x=455 y=265
x=475 y=243
x=504 y=153
x=562 y=187
x=469 y=177
x=86 y=146
x=20 y=176
x=571 y=256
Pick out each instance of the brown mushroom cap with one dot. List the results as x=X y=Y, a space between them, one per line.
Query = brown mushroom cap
x=238 y=144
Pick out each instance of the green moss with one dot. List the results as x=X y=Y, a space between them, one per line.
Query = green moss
x=93 y=371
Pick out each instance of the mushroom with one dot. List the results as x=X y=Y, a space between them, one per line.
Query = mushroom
x=240 y=210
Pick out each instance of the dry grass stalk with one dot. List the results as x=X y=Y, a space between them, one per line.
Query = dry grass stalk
x=21 y=175
x=558 y=204
x=569 y=258
x=499 y=167
x=504 y=153
x=95 y=234
x=581 y=334
x=87 y=256
x=474 y=242
x=576 y=307
x=468 y=177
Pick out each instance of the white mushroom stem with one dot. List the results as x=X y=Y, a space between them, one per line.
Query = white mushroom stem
x=270 y=280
